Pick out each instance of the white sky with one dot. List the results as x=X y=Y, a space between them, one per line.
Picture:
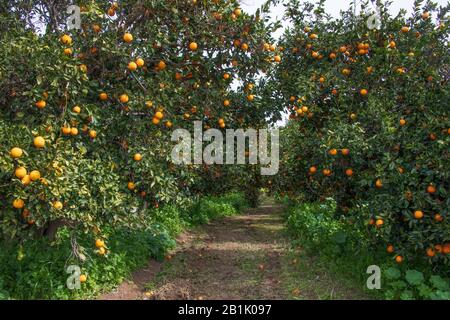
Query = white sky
x=332 y=7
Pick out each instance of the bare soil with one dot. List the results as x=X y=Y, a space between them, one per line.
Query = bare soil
x=240 y=257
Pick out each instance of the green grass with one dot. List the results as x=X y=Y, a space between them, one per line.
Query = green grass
x=36 y=269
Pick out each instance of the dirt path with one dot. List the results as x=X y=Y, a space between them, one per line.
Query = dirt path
x=241 y=257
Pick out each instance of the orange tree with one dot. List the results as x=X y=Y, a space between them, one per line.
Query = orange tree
x=87 y=114
x=369 y=122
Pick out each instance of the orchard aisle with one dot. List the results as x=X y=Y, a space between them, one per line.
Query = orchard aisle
x=241 y=257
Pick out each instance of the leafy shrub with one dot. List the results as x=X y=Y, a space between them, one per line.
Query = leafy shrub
x=414 y=284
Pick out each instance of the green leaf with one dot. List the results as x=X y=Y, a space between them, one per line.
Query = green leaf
x=392 y=273
x=439 y=283
x=414 y=277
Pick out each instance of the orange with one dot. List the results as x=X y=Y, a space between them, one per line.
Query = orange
x=131 y=185
x=402 y=122
x=124 y=98
x=155 y=121
x=237 y=12
x=315 y=54
x=277 y=59
x=418 y=214
x=35 y=175
x=425 y=15
x=333 y=152
x=312 y=170
x=73 y=131
x=57 y=205
x=41 y=104
x=405 y=29
x=379 y=222
x=169 y=124
x=83 y=278
x=20 y=172
x=68 y=51
x=363 y=92
x=99 y=243
x=101 y=251
x=438 y=217
x=159 y=115
x=132 y=66
x=345 y=152
x=430 y=252
x=39 y=142
x=66 y=39
x=379 y=183
x=65 y=130
x=26 y=180
x=103 y=96
x=369 y=70
x=137 y=157
x=392 y=45
x=92 y=134
x=140 y=62
x=250 y=97
x=127 y=37
x=226 y=103
x=349 y=172
x=18 y=203
x=226 y=76
x=332 y=55
x=438 y=248
x=346 y=71
x=390 y=248
x=193 y=46
x=76 y=109
x=326 y=172
x=161 y=65
x=399 y=259
x=431 y=189
x=446 y=248
x=244 y=47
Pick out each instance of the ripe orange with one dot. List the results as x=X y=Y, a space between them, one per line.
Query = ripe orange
x=346 y=71
x=161 y=65
x=326 y=172
x=16 y=153
x=68 y=51
x=226 y=76
x=155 y=121
x=132 y=66
x=41 y=104
x=137 y=157
x=402 y=122
x=140 y=62
x=26 y=180
x=57 y=205
x=76 y=109
x=349 y=172
x=446 y=248
x=226 y=103
x=438 y=217
x=20 y=172
x=39 y=142
x=399 y=259
x=345 y=152
x=103 y=96
x=418 y=214
x=332 y=55
x=405 y=29
x=73 y=131
x=379 y=183
x=101 y=251
x=99 y=243
x=363 y=92
x=244 y=47
x=277 y=59
x=159 y=115
x=18 y=203
x=83 y=278
x=169 y=124
x=193 y=46
x=35 y=175
x=430 y=252
x=250 y=97
x=333 y=152
x=66 y=130
x=392 y=45
x=124 y=98
x=312 y=170
x=431 y=189
x=92 y=134
x=131 y=185
x=390 y=248
x=66 y=39
x=379 y=222
x=127 y=37
x=315 y=54
x=425 y=15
